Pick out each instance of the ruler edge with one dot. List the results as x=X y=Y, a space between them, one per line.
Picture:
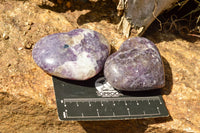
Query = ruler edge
x=125 y=118
x=116 y=118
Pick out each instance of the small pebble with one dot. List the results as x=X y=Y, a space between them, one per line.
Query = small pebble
x=20 y=48
x=28 y=45
x=5 y=36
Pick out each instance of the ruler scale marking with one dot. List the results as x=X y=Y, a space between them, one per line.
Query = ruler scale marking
x=115 y=116
x=73 y=105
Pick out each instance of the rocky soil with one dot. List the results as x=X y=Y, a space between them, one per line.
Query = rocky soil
x=27 y=101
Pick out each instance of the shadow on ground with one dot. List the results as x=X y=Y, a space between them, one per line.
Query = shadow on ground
x=121 y=126
x=166 y=90
x=106 y=10
x=135 y=125
x=99 y=10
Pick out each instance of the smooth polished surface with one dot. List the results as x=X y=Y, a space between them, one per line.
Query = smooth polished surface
x=78 y=55
x=137 y=66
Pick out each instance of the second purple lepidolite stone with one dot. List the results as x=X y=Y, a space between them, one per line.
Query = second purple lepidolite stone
x=137 y=66
x=79 y=54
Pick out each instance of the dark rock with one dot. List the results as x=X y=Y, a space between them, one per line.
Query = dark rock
x=137 y=66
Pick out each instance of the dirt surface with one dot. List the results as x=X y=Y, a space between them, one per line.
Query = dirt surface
x=27 y=101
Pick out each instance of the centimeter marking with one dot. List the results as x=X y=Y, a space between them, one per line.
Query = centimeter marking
x=104 y=108
x=107 y=116
x=78 y=101
x=111 y=99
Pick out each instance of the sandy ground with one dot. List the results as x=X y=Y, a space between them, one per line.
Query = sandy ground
x=27 y=101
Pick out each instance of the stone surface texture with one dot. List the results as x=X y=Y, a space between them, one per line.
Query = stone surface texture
x=79 y=54
x=27 y=101
x=136 y=66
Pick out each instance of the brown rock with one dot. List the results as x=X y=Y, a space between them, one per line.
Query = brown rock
x=27 y=101
x=5 y=36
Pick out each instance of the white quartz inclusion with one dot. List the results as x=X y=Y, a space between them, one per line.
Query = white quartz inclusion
x=82 y=68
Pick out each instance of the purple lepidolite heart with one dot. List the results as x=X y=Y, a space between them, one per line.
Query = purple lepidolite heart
x=79 y=54
x=136 y=66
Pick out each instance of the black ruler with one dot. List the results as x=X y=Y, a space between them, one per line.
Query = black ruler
x=95 y=99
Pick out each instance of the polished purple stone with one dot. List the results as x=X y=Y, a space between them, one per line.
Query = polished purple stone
x=79 y=54
x=137 y=66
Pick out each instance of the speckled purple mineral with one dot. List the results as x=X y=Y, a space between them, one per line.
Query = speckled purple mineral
x=79 y=54
x=137 y=66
